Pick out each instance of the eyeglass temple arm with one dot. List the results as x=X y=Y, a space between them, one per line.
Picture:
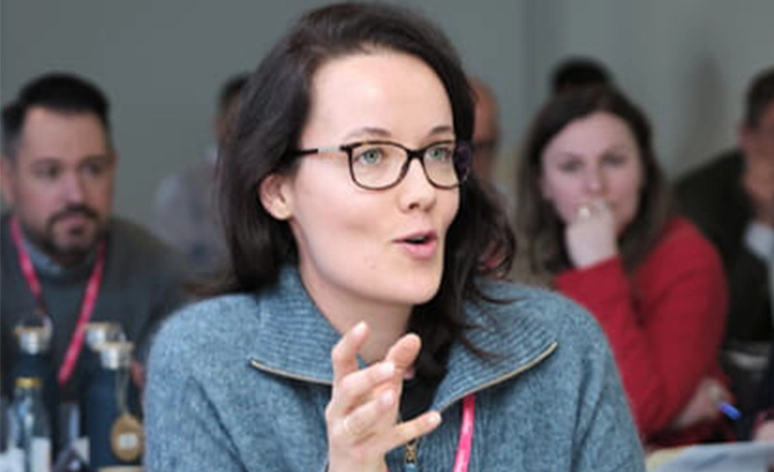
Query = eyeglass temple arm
x=305 y=152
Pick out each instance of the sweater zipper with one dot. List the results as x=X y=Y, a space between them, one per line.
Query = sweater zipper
x=412 y=447
x=410 y=456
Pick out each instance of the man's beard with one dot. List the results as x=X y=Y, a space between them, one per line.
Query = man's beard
x=69 y=254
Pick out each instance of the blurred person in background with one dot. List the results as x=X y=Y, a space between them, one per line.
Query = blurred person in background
x=486 y=142
x=184 y=209
x=578 y=72
x=595 y=222
x=731 y=200
x=66 y=259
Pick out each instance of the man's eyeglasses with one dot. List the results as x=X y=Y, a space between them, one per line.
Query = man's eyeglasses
x=379 y=165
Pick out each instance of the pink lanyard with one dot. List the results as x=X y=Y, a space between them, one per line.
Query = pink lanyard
x=465 y=445
x=466 y=434
x=87 y=305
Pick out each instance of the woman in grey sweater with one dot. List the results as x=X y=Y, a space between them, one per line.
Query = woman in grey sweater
x=363 y=327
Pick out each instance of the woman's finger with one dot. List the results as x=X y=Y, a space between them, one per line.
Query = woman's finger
x=344 y=353
x=367 y=419
x=404 y=352
x=360 y=385
x=407 y=431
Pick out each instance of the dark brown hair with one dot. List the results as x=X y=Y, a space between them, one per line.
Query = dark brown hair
x=231 y=90
x=274 y=112
x=579 y=72
x=537 y=221
x=760 y=95
x=61 y=92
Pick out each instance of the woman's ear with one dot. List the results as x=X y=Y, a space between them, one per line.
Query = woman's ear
x=276 y=198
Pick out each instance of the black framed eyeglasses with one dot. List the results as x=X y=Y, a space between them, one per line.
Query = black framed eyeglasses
x=379 y=165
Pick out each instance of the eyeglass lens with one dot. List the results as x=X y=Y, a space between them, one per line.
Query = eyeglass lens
x=379 y=165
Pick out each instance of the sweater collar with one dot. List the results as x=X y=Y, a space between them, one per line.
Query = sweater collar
x=295 y=340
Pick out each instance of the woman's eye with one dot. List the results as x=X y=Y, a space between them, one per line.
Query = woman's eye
x=439 y=153
x=570 y=166
x=370 y=156
x=615 y=159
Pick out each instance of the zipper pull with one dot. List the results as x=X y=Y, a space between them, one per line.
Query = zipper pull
x=411 y=456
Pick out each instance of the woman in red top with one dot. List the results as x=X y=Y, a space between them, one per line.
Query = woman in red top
x=595 y=223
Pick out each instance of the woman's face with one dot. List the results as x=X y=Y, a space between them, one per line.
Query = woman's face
x=593 y=159
x=366 y=249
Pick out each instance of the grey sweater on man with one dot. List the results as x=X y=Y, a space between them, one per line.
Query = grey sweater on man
x=240 y=383
x=141 y=285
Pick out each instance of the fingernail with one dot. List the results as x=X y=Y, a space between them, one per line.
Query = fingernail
x=387 y=369
x=387 y=398
x=434 y=418
x=359 y=328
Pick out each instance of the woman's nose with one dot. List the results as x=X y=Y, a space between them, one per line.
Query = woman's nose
x=416 y=189
x=595 y=181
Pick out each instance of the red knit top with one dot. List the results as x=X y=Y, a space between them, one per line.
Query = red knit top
x=665 y=324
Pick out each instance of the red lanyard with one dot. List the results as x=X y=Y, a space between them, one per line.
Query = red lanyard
x=87 y=305
x=465 y=444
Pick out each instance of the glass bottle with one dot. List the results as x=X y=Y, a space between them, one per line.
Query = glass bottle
x=112 y=412
x=29 y=429
x=33 y=360
x=96 y=333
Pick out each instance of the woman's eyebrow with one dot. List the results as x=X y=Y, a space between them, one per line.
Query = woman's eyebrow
x=368 y=131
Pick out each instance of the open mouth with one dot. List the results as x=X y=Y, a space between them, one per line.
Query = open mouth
x=420 y=239
x=420 y=246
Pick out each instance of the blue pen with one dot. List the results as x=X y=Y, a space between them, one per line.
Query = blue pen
x=729 y=410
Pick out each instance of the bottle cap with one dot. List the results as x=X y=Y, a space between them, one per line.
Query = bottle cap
x=32 y=339
x=115 y=355
x=98 y=332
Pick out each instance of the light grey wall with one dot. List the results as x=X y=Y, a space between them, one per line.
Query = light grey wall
x=162 y=63
x=686 y=62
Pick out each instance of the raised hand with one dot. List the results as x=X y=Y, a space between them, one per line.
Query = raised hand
x=591 y=237
x=362 y=416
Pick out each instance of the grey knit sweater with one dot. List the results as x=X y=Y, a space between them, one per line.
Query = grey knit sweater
x=240 y=383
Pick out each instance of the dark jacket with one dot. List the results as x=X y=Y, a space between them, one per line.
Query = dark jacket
x=713 y=198
x=142 y=283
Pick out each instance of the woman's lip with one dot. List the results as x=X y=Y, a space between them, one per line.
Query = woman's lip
x=419 y=235
x=421 y=251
